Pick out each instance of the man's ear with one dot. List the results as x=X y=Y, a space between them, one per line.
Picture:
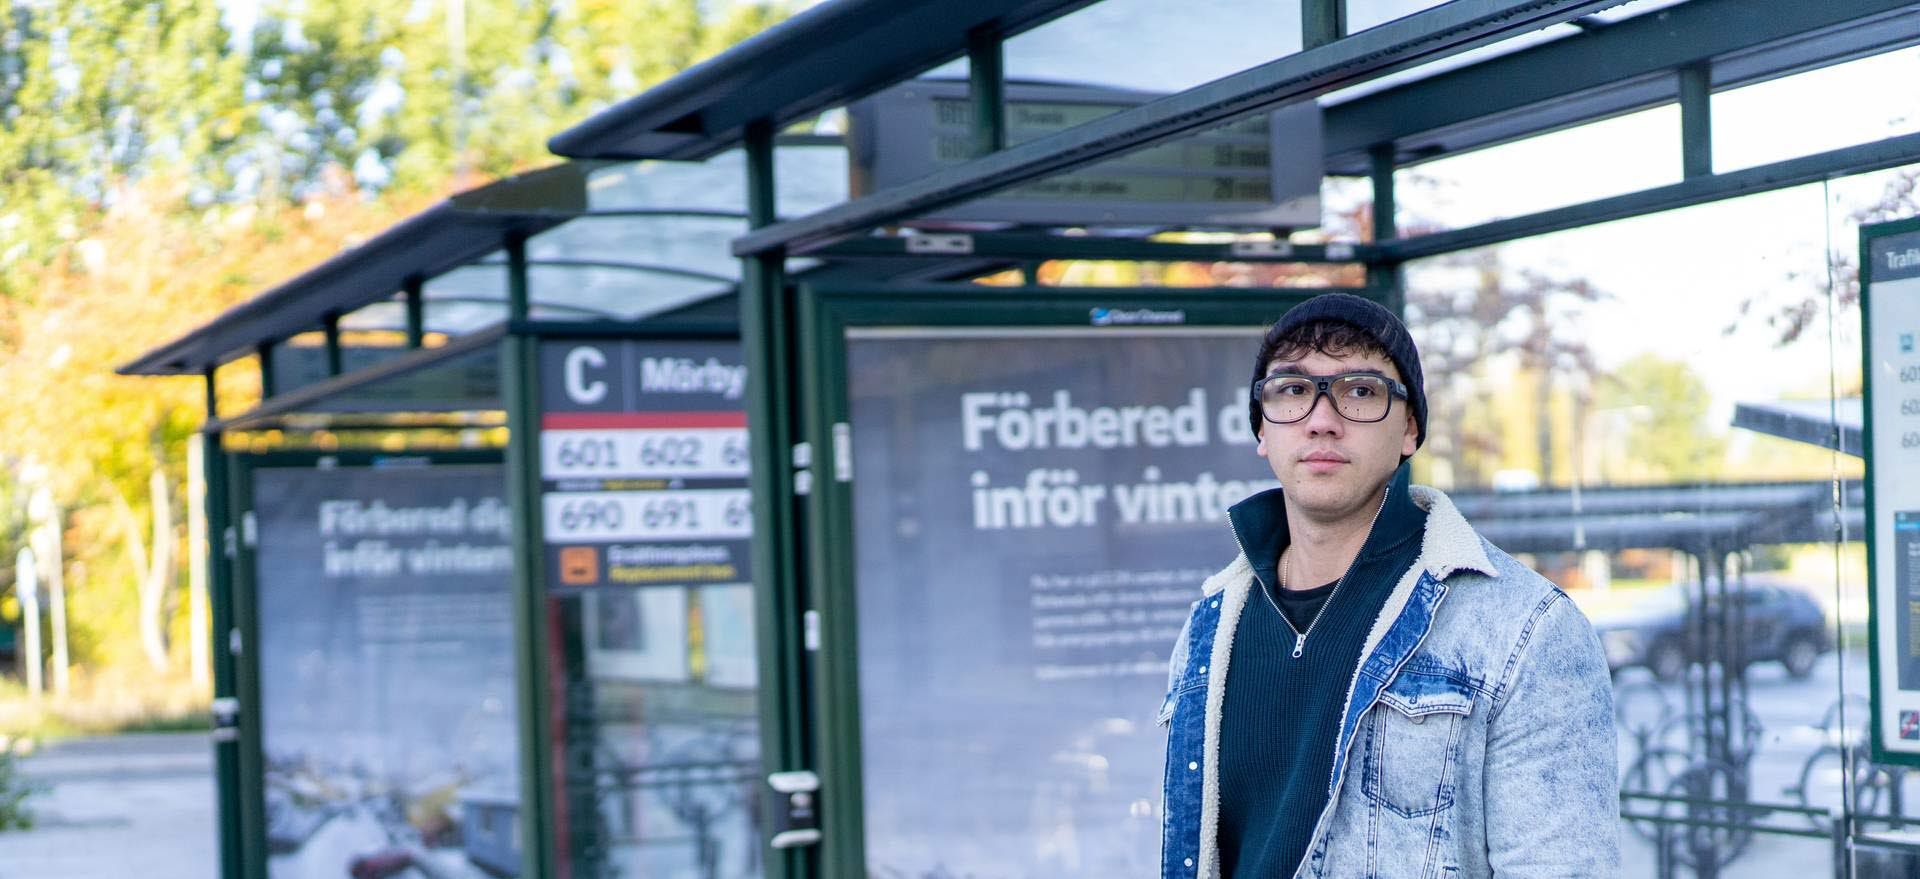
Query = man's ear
x=1411 y=442
x=1260 y=448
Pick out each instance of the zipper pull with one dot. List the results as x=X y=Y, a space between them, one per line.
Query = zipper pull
x=1299 y=644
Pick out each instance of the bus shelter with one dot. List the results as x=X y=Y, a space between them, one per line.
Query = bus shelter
x=378 y=646
x=869 y=565
x=951 y=547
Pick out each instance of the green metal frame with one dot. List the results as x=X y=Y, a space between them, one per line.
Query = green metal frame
x=765 y=321
x=223 y=543
x=826 y=314
x=1876 y=674
x=1428 y=35
x=247 y=825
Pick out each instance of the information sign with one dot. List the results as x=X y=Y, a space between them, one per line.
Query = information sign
x=643 y=462
x=1890 y=309
x=1263 y=170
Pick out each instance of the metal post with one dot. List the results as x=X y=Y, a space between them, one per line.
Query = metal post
x=198 y=664
x=518 y=358
x=765 y=321
x=518 y=301
x=52 y=565
x=762 y=209
x=1696 y=120
x=221 y=553
x=242 y=643
x=416 y=304
x=26 y=585
x=1322 y=22
x=1842 y=864
x=987 y=87
x=265 y=354
x=1386 y=277
x=332 y=325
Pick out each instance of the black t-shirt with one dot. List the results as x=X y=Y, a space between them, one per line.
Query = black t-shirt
x=1302 y=606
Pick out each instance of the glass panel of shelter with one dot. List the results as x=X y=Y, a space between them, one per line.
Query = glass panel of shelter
x=1363 y=14
x=1605 y=391
x=1847 y=100
x=1704 y=554
x=1194 y=43
x=655 y=678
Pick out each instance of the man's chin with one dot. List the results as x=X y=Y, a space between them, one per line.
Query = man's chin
x=1328 y=494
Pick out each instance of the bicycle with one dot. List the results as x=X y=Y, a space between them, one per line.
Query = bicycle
x=1824 y=777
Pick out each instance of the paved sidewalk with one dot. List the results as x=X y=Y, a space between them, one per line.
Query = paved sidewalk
x=118 y=807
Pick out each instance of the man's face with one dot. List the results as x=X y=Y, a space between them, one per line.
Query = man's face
x=1329 y=466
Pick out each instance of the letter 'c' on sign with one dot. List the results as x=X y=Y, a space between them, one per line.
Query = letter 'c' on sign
x=579 y=389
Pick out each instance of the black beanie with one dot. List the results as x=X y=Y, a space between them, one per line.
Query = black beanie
x=1376 y=321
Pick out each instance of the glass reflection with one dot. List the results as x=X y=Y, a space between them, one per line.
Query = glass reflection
x=1675 y=442
x=659 y=732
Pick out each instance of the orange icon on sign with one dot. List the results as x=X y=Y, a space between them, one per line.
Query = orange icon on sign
x=579 y=566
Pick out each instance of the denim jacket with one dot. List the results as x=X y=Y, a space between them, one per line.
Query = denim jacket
x=1477 y=738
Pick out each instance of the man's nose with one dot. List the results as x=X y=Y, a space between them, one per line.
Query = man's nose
x=1324 y=419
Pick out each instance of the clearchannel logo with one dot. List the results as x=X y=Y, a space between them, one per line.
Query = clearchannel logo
x=1118 y=317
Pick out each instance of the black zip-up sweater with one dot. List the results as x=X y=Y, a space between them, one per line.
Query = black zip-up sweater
x=1282 y=715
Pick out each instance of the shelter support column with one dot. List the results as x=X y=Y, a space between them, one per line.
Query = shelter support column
x=1696 y=120
x=530 y=628
x=530 y=606
x=220 y=550
x=416 y=305
x=987 y=89
x=1322 y=22
x=1386 y=278
x=332 y=326
x=766 y=320
x=265 y=354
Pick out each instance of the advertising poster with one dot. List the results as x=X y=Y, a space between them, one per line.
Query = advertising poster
x=386 y=666
x=1891 y=282
x=1034 y=513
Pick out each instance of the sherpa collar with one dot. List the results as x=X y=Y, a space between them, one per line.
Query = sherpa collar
x=1450 y=544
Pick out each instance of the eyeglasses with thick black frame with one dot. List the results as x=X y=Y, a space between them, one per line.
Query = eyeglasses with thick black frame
x=1360 y=397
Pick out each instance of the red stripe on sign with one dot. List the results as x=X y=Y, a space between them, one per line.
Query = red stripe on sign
x=616 y=420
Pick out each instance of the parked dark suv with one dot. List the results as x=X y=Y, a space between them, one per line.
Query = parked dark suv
x=1768 y=623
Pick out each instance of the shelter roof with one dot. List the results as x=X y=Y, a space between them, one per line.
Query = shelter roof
x=1694 y=518
x=1836 y=425
x=820 y=58
x=448 y=235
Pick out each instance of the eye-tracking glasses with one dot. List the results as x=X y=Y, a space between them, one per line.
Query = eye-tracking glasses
x=1363 y=397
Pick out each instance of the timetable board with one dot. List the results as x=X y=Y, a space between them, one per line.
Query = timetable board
x=1890 y=312
x=643 y=463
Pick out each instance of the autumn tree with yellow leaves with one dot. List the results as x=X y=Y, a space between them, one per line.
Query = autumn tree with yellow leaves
x=159 y=165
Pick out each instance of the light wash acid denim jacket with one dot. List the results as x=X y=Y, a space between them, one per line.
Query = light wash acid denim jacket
x=1477 y=738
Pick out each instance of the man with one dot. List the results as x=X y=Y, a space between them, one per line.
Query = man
x=1372 y=689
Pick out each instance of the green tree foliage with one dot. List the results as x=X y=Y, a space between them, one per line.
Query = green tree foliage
x=95 y=93
x=476 y=86
x=1664 y=435
x=15 y=790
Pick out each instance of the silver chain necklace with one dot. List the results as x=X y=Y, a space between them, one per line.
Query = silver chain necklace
x=1299 y=637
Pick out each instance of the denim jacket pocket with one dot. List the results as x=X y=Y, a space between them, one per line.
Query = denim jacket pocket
x=1412 y=743
x=1180 y=688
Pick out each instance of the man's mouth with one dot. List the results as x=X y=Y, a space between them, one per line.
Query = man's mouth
x=1324 y=457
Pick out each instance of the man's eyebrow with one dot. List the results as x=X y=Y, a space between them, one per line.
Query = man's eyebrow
x=1294 y=369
